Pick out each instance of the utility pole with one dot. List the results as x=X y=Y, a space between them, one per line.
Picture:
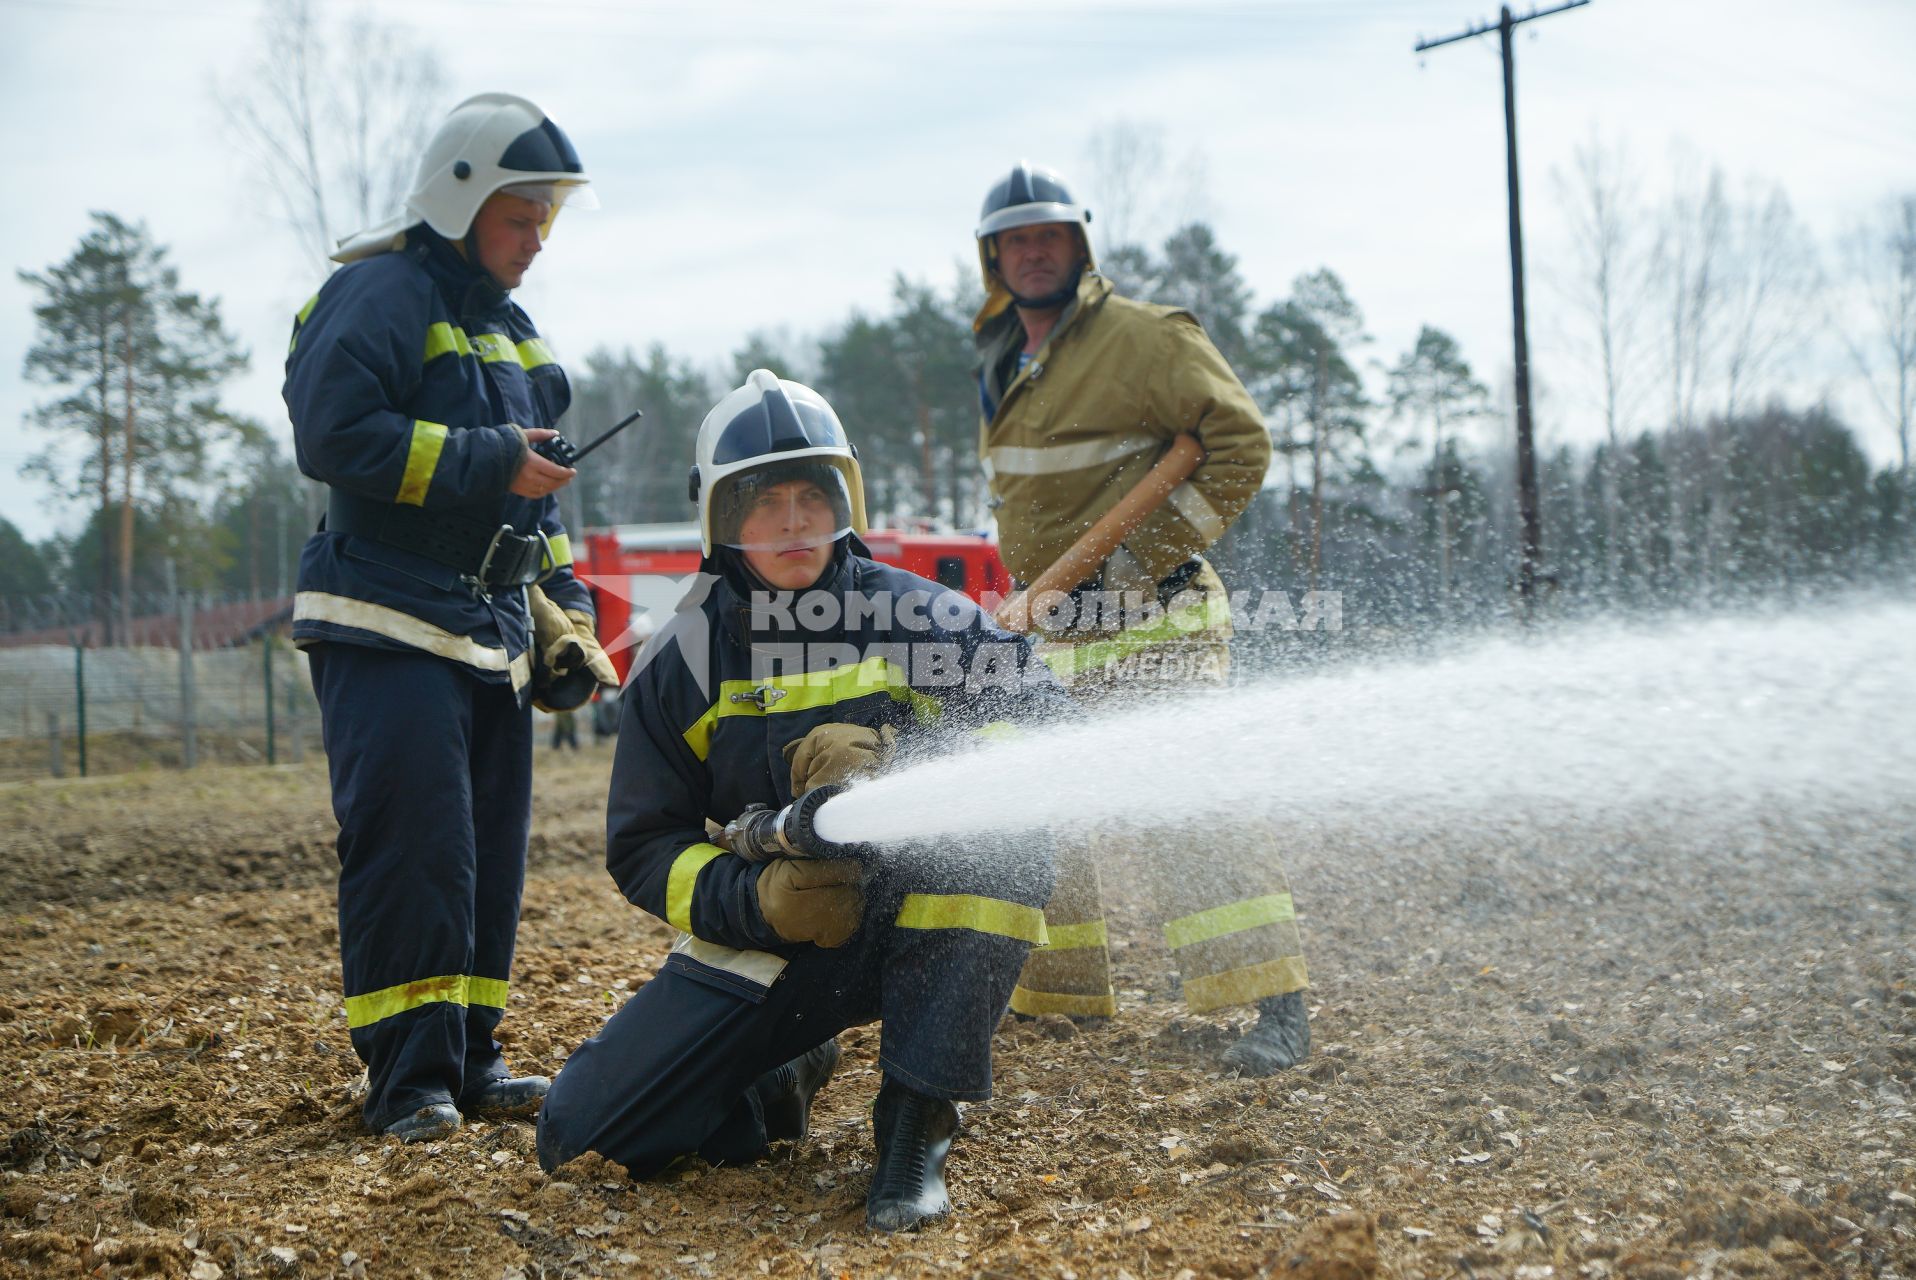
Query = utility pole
x=1531 y=556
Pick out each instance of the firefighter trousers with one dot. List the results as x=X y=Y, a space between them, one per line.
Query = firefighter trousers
x=432 y=785
x=1226 y=909
x=673 y=1072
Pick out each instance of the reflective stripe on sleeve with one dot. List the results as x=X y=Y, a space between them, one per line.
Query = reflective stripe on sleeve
x=972 y=911
x=422 y=455
x=1234 y=917
x=533 y=352
x=561 y=545
x=299 y=320
x=452 y=988
x=1056 y=459
x=1197 y=512
x=682 y=880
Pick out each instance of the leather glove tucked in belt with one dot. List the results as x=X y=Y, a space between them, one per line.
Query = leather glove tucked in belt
x=837 y=753
x=812 y=900
x=567 y=660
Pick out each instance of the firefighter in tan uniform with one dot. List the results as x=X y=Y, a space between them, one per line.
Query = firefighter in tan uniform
x=1081 y=391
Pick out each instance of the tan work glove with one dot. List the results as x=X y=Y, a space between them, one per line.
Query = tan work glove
x=812 y=900
x=567 y=660
x=838 y=753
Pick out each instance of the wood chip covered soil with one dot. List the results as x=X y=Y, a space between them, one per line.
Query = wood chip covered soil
x=1660 y=1050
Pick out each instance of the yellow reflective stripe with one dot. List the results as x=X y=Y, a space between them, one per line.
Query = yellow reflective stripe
x=998 y=731
x=443 y=339
x=451 y=988
x=683 y=878
x=561 y=546
x=1072 y=937
x=1035 y=1004
x=487 y=992
x=494 y=348
x=299 y=320
x=971 y=911
x=1242 y=986
x=809 y=690
x=428 y=438
x=1175 y=624
x=1233 y=917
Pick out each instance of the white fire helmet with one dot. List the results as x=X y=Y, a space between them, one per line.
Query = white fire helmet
x=766 y=433
x=490 y=143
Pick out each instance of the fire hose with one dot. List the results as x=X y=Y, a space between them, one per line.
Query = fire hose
x=1097 y=543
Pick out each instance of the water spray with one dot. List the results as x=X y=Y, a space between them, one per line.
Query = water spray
x=1715 y=718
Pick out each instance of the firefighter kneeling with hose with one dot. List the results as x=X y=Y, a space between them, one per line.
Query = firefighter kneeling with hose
x=796 y=660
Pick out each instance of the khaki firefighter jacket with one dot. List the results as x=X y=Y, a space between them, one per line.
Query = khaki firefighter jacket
x=1067 y=436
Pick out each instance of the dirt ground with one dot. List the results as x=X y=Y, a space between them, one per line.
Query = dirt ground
x=1671 y=1048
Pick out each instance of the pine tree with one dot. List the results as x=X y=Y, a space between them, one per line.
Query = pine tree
x=140 y=365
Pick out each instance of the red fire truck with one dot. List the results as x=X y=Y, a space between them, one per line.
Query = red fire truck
x=639 y=572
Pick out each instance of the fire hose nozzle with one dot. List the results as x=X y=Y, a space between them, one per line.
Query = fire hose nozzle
x=759 y=835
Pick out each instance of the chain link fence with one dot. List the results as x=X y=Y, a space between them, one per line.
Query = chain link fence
x=216 y=686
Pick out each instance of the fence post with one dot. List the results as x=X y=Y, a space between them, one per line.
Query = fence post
x=189 y=740
x=266 y=648
x=56 y=762
x=79 y=695
x=295 y=722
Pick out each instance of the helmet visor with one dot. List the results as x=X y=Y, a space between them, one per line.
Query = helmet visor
x=1030 y=215
x=571 y=195
x=784 y=506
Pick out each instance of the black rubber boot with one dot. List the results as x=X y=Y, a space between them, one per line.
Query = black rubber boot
x=431 y=1122
x=1281 y=1038
x=913 y=1133
x=503 y=1099
x=787 y=1092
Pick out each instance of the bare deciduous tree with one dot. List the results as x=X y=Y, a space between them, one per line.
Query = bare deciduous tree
x=1137 y=192
x=1611 y=284
x=1879 y=258
x=332 y=119
x=1692 y=244
x=1769 y=287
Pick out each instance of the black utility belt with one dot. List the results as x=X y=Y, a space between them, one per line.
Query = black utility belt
x=487 y=556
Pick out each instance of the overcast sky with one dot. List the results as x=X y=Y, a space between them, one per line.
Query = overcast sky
x=773 y=165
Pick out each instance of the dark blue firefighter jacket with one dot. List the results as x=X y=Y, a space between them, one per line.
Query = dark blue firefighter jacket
x=404 y=377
